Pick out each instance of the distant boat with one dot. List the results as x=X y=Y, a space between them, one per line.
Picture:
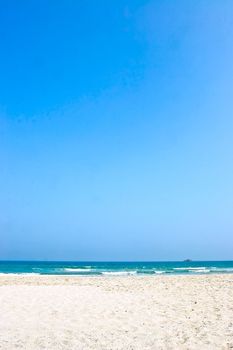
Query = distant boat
x=187 y=260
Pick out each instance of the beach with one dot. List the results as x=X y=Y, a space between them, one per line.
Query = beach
x=116 y=312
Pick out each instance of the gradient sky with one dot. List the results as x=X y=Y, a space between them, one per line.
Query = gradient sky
x=116 y=129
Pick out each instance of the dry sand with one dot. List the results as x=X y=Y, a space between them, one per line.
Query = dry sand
x=157 y=312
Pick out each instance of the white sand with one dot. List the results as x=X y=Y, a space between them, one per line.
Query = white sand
x=157 y=312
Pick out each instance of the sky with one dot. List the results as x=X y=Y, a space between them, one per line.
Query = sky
x=116 y=130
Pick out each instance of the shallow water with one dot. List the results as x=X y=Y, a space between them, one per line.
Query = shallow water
x=115 y=268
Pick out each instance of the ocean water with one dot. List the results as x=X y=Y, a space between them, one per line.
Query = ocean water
x=115 y=268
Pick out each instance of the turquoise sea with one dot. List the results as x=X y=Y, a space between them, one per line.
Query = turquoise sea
x=115 y=268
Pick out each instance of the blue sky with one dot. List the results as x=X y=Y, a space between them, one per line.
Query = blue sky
x=116 y=124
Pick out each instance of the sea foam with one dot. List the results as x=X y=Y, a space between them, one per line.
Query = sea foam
x=77 y=270
x=119 y=273
x=189 y=268
x=159 y=272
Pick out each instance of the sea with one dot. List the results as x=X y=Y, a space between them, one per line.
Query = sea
x=89 y=268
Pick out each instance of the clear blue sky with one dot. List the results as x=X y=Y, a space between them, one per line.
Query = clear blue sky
x=116 y=129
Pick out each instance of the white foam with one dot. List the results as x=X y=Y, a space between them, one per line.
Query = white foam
x=200 y=271
x=159 y=272
x=189 y=268
x=77 y=270
x=119 y=273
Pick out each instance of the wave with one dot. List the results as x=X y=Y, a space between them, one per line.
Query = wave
x=119 y=273
x=221 y=269
x=200 y=271
x=189 y=268
x=159 y=272
x=73 y=269
x=110 y=269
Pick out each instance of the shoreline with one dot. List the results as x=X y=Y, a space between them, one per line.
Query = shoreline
x=116 y=274
x=57 y=280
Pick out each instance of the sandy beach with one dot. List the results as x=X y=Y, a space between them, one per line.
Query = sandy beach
x=157 y=312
